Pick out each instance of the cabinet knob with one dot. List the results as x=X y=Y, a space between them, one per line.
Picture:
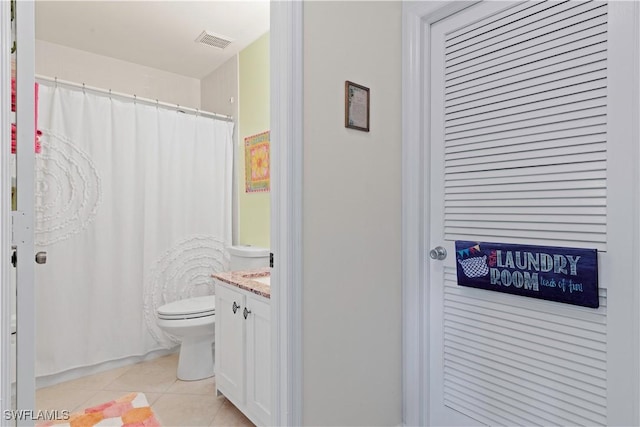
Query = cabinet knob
x=235 y=307
x=246 y=312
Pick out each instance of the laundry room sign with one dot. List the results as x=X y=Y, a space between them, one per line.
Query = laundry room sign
x=568 y=275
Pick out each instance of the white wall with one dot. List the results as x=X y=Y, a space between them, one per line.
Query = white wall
x=217 y=88
x=216 y=91
x=53 y=60
x=352 y=217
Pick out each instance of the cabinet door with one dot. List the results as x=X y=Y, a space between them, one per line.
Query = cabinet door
x=259 y=359
x=229 y=363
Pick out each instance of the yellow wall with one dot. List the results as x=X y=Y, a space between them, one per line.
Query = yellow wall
x=254 y=208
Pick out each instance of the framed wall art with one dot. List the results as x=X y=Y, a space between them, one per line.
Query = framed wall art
x=257 y=164
x=356 y=106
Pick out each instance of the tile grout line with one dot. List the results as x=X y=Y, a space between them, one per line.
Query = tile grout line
x=225 y=412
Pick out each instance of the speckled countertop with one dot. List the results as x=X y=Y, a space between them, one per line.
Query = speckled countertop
x=244 y=280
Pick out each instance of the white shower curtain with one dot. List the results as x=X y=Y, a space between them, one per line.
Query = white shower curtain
x=133 y=206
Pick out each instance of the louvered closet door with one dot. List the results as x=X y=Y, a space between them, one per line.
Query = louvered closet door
x=518 y=154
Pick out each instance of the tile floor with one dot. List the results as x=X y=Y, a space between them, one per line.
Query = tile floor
x=176 y=403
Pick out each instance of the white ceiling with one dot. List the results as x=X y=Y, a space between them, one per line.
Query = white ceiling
x=158 y=34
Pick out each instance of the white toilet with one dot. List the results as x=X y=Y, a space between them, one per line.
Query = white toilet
x=248 y=257
x=192 y=320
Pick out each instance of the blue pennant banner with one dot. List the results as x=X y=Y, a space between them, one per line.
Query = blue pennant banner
x=568 y=275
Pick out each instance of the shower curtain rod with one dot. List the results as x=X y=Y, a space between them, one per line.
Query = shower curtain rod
x=135 y=98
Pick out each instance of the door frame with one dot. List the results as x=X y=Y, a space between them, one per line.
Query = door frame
x=286 y=211
x=416 y=16
x=17 y=226
x=23 y=219
x=5 y=211
x=416 y=19
x=286 y=68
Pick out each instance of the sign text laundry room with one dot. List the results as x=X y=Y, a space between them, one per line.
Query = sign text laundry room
x=568 y=275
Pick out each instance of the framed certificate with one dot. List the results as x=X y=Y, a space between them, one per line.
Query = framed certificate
x=356 y=106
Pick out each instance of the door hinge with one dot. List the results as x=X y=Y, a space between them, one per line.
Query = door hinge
x=19 y=227
x=271 y=260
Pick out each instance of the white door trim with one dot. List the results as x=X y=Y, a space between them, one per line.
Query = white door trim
x=286 y=210
x=417 y=16
x=23 y=222
x=5 y=210
x=623 y=227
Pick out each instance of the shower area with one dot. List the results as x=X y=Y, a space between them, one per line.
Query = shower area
x=134 y=209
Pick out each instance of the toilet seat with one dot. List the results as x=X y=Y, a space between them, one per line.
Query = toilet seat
x=191 y=308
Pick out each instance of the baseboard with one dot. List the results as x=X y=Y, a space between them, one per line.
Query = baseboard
x=83 y=371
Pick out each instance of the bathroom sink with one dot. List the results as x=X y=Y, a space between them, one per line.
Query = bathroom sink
x=265 y=279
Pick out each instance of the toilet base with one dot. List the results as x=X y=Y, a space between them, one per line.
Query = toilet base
x=195 y=361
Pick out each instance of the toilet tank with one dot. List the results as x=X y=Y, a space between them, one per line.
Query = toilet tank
x=247 y=257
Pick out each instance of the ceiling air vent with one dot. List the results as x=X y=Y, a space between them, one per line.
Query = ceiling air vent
x=214 y=40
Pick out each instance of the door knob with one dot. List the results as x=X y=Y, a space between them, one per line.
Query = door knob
x=235 y=307
x=246 y=312
x=438 y=253
x=41 y=258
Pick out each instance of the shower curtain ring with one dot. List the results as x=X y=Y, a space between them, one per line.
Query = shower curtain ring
x=109 y=93
x=83 y=88
x=55 y=79
x=135 y=98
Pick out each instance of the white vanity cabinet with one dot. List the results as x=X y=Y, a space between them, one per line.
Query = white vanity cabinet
x=229 y=343
x=243 y=351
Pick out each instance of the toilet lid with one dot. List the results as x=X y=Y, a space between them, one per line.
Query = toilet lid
x=192 y=307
